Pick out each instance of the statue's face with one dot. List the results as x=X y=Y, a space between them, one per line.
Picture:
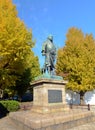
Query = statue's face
x=50 y=38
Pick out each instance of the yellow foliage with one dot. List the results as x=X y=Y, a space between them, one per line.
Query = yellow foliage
x=15 y=43
x=76 y=60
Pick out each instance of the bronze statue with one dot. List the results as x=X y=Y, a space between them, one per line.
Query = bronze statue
x=49 y=51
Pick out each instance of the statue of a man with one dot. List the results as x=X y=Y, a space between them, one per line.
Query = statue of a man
x=49 y=51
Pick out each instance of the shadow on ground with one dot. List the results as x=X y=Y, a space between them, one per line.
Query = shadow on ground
x=3 y=111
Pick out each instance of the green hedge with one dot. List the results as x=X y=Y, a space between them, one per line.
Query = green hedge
x=10 y=105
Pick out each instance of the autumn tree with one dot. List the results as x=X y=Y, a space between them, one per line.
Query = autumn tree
x=16 y=42
x=32 y=71
x=76 y=61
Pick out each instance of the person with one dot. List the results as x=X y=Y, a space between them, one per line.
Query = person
x=49 y=51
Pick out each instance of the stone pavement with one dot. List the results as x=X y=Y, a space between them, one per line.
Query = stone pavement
x=88 y=126
x=7 y=124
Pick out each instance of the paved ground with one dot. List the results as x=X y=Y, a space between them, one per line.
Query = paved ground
x=88 y=126
x=6 y=124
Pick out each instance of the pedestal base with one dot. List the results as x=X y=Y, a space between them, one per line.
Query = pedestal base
x=27 y=120
x=50 y=109
x=49 y=96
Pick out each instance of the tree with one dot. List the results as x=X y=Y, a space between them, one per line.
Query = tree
x=76 y=61
x=32 y=71
x=16 y=42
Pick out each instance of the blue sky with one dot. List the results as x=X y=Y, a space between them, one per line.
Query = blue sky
x=55 y=17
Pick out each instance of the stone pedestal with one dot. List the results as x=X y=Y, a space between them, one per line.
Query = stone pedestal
x=49 y=111
x=49 y=96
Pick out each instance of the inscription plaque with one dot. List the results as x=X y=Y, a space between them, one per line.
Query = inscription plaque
x=54 y=96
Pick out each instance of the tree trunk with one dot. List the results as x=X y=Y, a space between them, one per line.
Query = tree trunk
x=1 y=93
x=82 y=98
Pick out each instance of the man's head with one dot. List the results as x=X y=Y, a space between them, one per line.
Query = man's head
x=50 y=37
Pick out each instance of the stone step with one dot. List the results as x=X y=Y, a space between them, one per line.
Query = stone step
x=54 y=121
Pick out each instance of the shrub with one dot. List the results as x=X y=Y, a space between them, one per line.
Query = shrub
x=10 y=105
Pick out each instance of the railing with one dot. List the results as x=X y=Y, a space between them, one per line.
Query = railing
x=25 y=106
x=88 y=107
x=82 y=107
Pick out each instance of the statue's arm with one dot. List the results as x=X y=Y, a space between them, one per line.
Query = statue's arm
x=43 y=49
